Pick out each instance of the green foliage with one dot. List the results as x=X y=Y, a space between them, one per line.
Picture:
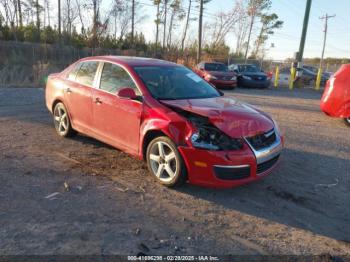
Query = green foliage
x=31 y=33
x=220 y=49
x=48 y=35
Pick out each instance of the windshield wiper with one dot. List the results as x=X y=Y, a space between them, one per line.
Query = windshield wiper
x=167 y=98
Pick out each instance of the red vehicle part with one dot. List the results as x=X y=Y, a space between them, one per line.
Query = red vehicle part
x=335 y=101
x=130 y=124
x=219 y=79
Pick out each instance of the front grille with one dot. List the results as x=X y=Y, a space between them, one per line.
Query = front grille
x=259 y=78
x=266 y=165
x=232 y=173
x=262 y=140
x=226 y=78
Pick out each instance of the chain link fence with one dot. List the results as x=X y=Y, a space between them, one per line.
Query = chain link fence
x=28 y=64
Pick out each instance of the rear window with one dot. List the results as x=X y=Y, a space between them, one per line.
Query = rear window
x=86 y=73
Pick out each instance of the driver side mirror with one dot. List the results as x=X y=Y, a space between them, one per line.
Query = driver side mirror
x=127 y=93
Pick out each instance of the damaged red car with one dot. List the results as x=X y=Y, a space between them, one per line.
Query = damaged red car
x=335 y=101
x=165 y=114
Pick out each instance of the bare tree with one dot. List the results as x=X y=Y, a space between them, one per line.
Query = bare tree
x=122 y=14
x=200 y=27
x=165 y=21
x=59 y=19
x=157 y=21
x=255 y=7
x=20 y=12
x=70 y=14
x=38 y=9
x=242 y=25
x=95 y=19
x=177 y=14
x=186 y=25
x=132 y=20
x=268 y=24
x=80 y=15
x=222 y=26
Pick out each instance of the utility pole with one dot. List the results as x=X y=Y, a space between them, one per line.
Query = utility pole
x=325 y=18
x=132 y=21
x=303 y=34
x=200 y=27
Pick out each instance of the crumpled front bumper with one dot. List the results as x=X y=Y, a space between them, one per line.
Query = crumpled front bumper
x=225 y=169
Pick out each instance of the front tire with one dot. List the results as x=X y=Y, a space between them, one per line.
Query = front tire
x=62 y=122
x=165 y=162
x=347 y=121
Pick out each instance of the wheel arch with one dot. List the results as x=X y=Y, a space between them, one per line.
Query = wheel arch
x=148 y=137
x=55 y=102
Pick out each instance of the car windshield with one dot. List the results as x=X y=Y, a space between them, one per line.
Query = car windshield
x=248 y=68
x=215 y=67
x=175 y=82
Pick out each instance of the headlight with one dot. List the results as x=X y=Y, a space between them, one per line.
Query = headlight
x=247 y=77
x=234 y=78
x=210 y=138
x=277 y=128
x=210 y=77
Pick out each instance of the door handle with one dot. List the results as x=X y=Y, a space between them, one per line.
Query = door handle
x=98 y=101
x=68 y=90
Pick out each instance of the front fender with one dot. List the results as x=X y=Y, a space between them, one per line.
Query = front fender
x=172 y=125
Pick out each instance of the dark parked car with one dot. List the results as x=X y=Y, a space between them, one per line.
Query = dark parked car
x=250 y=76
x=309 y=76
x=326 y=75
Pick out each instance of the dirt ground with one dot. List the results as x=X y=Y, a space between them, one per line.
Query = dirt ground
x=113 y=206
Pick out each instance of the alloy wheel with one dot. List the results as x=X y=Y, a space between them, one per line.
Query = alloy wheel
x=61 y=120
x=163 y=161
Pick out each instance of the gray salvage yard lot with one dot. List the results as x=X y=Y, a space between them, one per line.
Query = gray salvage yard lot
x=80 y=196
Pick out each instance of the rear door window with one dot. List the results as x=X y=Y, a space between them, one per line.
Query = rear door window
x=86 y=73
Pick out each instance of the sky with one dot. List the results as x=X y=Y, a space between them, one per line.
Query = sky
x=285 y=40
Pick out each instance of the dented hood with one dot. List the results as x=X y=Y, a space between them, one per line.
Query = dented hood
x=231 y=116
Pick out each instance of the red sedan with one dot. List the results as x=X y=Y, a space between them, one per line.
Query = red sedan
x=336 y=97
x=217 y=74
x=164 y=113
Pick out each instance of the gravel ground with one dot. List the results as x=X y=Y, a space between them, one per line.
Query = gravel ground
x=113 y=206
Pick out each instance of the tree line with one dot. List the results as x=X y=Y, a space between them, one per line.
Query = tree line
x=118 y=24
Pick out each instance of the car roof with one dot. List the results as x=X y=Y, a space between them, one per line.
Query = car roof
x=130 y=60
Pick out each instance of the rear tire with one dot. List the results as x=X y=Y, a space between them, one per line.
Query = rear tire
x=62 y=121
x=165 y=162
x=347 y=121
